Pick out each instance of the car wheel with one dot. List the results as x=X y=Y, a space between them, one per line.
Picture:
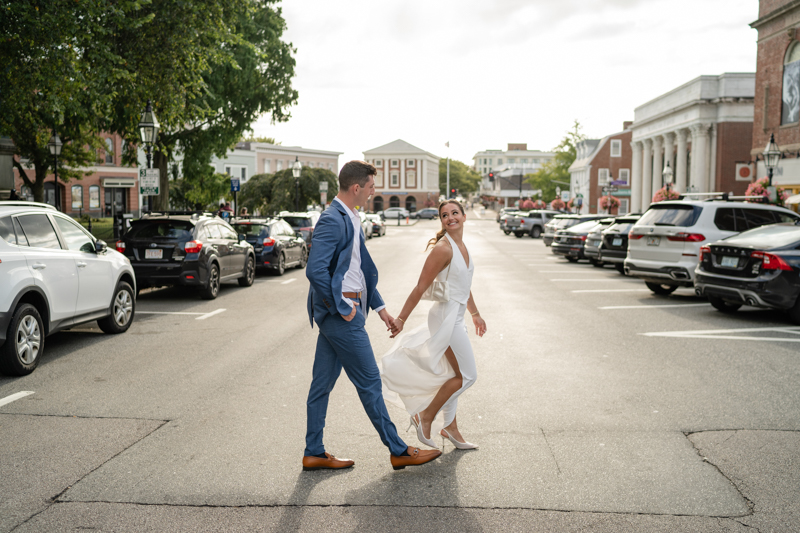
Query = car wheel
x=304 y=258
x=571 y=259
x=536 y=232
x=596 y=263
x=620 y=268
x=249 y=273
x=210 y=291
x=721 y=305
x=660 y=288
x=123 y=308
x=518 y=234
x=794 y=312
x=281 y=265
x=507 y=232
x=24 y=344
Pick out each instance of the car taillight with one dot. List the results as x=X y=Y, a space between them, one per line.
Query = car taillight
x=269 y=241
x=583 y=237
x=634 y=236
x=703 y=251
x=193 y=247
x=522 y=221
x=120 y=247
x=686 y=237
x=770 y=261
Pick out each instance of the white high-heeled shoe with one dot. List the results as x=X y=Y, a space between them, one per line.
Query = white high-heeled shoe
x=420 y=436
x=459 y=445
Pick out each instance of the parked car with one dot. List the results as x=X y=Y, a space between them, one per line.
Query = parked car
x=614 y=245
x=302 y=222
x=427 y=213
x=378 y=227
x=570 y=242
x=504 y=218
x=394 y=212
x=563 y=222
x=192 y=249
x=591 y=249
x=275 y=244
x=504 y=210
x=664 y=244
x=759 y=267
x=366 y=224
x=529 y=223
x=55 y=275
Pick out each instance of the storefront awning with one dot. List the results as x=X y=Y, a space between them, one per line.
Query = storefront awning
x=120 y=183
x=793 y=199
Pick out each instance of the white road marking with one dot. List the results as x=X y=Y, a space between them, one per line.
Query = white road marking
x=721 y=334
x=288 y=281
x=165 y=313
x=212 y=313
x=556 y=271
x=591 y=279
x=15 y=397
x=613 y=290
x=651 y=306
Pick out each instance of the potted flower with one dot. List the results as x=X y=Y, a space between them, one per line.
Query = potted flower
x=527 y=204
x=557 y=204
x=609 y=203
x=759 y=188
x=539 y=204
x=664 y=194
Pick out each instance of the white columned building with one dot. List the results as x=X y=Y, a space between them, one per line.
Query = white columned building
x=700 y=128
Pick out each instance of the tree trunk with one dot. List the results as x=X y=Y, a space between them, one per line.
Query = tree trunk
x=160 y=162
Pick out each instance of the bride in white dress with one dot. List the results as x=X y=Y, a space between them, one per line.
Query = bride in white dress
x=430 y=366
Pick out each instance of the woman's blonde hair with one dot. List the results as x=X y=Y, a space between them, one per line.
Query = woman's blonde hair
x=441 y=233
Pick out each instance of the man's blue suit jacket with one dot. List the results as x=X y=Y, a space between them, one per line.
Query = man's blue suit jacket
x=329 y=260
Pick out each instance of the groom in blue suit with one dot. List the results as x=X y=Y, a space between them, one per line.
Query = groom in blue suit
x=343 y=289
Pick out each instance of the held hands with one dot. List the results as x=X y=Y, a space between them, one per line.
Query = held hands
x=480 y=325
x=387 y=318
x=397 y=327
x=351 y=316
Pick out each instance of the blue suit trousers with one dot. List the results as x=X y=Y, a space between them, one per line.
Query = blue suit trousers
x=343 y=344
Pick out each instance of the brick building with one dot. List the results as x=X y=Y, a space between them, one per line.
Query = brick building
x=599 y=161
x=704 y=129
x=407 y=176
x=777 y=91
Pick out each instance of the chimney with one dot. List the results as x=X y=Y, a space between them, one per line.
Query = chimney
x=627 y=124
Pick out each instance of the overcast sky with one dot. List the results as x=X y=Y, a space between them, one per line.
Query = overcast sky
x=485 y=74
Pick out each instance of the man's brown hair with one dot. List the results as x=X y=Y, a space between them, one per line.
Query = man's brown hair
x=355 y=172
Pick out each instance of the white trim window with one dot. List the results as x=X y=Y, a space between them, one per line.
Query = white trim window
x=411 y=163
x=330 y=167
x=625 y=175
x=267 y=165
x=602 y=176
x=411 y=179
x=395 y=179
x=623 y=206
x=616 y=148
x=379 y=163
x=394 y=163
x=379 y=179
x=109 y=151
x=278 y=165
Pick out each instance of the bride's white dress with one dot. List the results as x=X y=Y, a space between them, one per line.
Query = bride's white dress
x=415 y=368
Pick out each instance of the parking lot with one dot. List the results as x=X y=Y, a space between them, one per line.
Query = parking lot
x=598 y=405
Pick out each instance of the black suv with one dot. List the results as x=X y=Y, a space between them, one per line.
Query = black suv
x=303 y=223
x=275 y=242
x=184 y=248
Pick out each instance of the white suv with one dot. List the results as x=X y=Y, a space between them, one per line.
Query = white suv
x=55 y=275
x=664 y=245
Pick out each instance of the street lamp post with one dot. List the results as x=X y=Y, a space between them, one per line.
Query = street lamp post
x=148 y=129
x=55 y=145
x=772 y=154
x=296 y=168
x=667 y=175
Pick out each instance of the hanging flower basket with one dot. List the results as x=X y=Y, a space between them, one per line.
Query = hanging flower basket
x=539 y=204
x=527 y=204
x=557 y=204
x=662 y=194
x=759 y=188
x=607 y=202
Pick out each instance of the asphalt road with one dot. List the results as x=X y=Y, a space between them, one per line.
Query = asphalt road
x=598 y=406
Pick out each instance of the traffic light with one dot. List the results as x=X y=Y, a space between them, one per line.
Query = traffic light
x=491 y=176
x=452 y=193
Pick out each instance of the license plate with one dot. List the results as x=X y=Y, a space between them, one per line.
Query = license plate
x=617 y=242
x=154 y=254
x=653 y=241
x=730 y=262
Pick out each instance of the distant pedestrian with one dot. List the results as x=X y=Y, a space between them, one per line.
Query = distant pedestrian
x=243 y=212
x=13 y=195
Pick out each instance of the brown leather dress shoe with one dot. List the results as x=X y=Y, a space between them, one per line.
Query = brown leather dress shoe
x=311 y=462
x=415 y=457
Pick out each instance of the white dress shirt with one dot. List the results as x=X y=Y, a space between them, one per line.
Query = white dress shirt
x=354 y=278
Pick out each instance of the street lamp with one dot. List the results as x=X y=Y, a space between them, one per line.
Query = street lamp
x=148 y=129
x=667 y=175
x=772 y=154
x=296 y=168
x=55 y=145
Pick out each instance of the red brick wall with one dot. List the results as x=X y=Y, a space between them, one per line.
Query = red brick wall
x=734 y=140
x=603 y=159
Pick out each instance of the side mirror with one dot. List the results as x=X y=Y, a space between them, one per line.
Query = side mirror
x=298 y=234
x=100 y=246
x=242 y=237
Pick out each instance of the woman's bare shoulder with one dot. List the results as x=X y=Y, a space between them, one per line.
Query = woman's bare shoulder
x=442 y=250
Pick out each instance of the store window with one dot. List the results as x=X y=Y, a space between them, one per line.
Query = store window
x=790 y=108
x=94 y=197
x=109 y=151
x=77 y=197
x=616 y=148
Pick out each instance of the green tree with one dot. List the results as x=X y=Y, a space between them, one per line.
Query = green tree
x=462 y=177
x=283 y=188
x=557 y=169
x=60 y=69
x=256 y=193
x=252 y=139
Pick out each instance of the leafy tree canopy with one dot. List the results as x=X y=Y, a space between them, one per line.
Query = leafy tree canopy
x=252 y=139
x=557 y=169
x=272 y=193
x=462 y=177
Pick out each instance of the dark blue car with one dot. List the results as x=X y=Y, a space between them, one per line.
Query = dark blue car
x=275 y=243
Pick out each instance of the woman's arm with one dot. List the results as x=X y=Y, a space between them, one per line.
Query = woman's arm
x=480 y=325
x=439 y=258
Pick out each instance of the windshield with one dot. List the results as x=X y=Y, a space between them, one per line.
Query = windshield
x=165 y=229
x=766 y=237
x=250 y=229
x=620 y=227
x=298 y=222
x=583 y=227
x=671 y=215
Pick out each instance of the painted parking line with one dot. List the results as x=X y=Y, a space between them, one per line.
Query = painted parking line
x=612 y=290
x=165 y=313
x=593 y=279
x=556 y=272
x=726 y=334
x=212 y=313
x=288 y=281
x=607 y=307
x=15 y=397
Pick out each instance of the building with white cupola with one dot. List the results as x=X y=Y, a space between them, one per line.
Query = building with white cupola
x=407 y=176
